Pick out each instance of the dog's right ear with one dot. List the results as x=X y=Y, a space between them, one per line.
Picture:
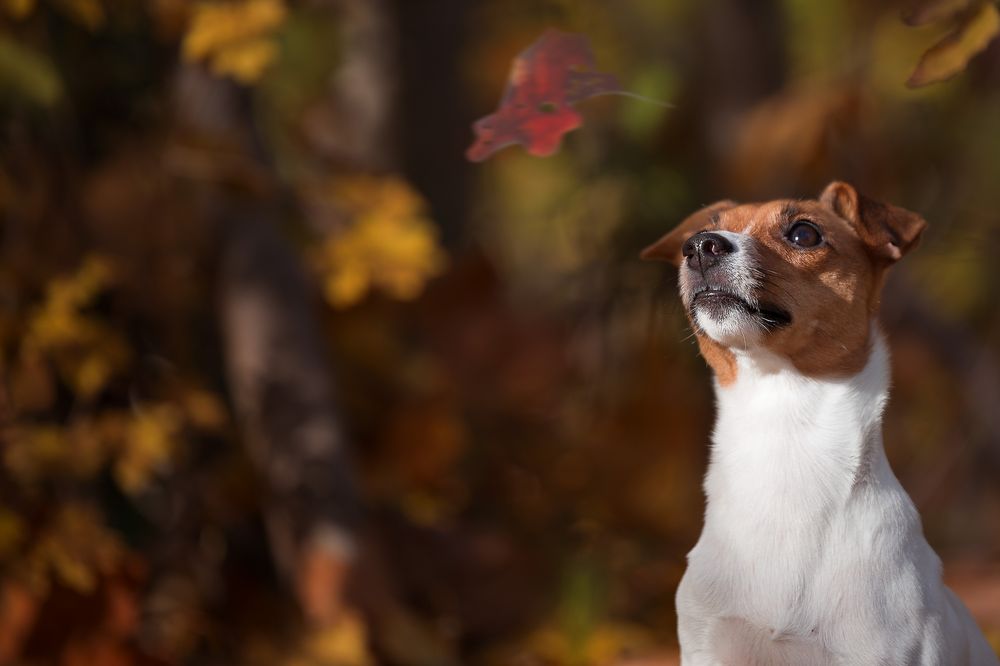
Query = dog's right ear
x=668 y=248
x=888 y=231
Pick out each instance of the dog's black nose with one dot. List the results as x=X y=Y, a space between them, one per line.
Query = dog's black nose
x=708 y=246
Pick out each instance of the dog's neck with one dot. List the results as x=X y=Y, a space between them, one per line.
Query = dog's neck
x=790 y=448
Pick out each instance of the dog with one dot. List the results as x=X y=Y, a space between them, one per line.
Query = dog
x=811 y=551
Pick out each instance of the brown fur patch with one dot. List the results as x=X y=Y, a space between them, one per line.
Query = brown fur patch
x=831 y=291
x=719 y=358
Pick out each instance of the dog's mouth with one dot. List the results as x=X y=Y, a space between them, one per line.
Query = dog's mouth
x=716 y=300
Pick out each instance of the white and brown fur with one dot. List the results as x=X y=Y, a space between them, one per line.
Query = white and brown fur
x=811 y=552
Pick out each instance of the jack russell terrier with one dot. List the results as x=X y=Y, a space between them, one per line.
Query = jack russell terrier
x=811 y=552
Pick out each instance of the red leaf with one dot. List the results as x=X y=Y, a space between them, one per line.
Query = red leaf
x=536 y=110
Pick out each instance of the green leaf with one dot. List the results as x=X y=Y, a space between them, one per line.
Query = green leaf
x=26 y=75
x=950 y=56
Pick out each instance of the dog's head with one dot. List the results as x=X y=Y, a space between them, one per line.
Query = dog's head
x=800 y=279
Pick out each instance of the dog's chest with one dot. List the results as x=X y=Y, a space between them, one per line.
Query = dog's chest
x=787 y=452
x=783 y=526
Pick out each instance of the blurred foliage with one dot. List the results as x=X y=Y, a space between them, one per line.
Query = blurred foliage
x=390 y=244
x=526 y=408
x=977 y=26
x=235 y=37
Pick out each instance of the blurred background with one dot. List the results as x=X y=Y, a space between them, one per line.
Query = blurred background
x=287 y=380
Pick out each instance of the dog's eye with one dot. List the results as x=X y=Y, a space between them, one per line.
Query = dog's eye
x=804 y=234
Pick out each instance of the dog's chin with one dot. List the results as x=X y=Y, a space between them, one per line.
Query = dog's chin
x=732 y=321
x=729 y=325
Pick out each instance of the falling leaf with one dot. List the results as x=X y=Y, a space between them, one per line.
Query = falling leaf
x=950 y=56
x=536 y=110
x=236 y=38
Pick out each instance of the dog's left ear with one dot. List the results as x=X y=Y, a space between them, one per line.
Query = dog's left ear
x=668 y=248
x=888 y=231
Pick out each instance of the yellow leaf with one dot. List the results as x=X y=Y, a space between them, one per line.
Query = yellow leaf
x=71 y=571
x=245 y=61
x=236 y=38
x=59 y=321
x=343 y=644
x=92 y=374
x=950 y=56
x=34 y=452
x=76 y=547
x=86 y=352
x=390 y=245
x=393 y=196
x=205 y=410
x=215 y=25
x=347 y=284
x=149 y=445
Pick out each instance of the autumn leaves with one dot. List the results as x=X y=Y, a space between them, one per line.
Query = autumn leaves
x=390 y=246
x=235 y=39
x=545 y=81
x=973 y=25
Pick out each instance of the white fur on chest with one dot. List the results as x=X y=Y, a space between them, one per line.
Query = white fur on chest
x=789 y=449
x=811 y=551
